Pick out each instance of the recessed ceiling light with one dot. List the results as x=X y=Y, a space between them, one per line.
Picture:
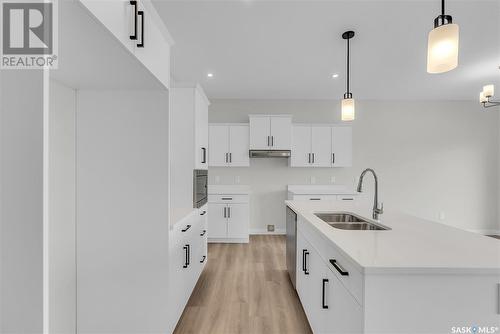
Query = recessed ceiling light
x=210 y=75
x=335 y=75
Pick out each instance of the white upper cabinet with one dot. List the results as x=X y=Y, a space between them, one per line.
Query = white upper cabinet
x=201 y=104
x=151 y=48
x=228 y=145
x=239 y=145
x=301 y=146
x=270 y=132
x=321 y=137
x=321 y=146
x=137 y=25
x=341 y=146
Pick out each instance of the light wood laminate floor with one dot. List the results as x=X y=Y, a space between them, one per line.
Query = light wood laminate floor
x=245 y=289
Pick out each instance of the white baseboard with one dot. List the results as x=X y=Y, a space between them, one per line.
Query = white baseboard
x=486 y=232
x=278 y=231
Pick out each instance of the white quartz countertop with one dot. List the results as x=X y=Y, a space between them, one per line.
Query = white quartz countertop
x=233 y=189
x=317 y=189
x=413 y=245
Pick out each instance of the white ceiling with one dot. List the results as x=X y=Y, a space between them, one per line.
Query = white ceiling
x=289 y=49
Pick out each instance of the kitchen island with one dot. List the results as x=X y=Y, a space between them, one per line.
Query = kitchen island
x=416 y=277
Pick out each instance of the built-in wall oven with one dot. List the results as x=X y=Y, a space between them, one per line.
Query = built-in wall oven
x=200 y=187
x=291 y=244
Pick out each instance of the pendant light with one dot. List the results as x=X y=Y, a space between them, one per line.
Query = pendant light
x=486 y=95
x=442 y=47
x=348 y=101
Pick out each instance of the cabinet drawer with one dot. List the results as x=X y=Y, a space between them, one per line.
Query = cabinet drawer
x=345 y=271
x=314 y=197
x=228 y=198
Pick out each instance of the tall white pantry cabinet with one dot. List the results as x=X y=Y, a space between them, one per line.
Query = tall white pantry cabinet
x=112 y=255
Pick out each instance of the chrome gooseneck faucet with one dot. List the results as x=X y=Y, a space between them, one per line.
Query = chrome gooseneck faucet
x=376 y=209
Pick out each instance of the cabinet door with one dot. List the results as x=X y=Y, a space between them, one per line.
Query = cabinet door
x=301 y=146
x=239 y=145
x=201 y=131
x=217 y=221
x=260 y=132
x=238 y=218
x=341 y=146
x=117 y=16
x=155 y=53
x=321 y=146
x=218 y=141
x=281 y=132
x=344 y=313
x=312 y=285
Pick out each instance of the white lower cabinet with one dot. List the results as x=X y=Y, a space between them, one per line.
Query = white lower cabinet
x=329 y=306
x=229 y=218
x=188 y=254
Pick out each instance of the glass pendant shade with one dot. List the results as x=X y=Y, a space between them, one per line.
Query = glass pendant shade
x=489 y=90
x=482 y=98
x=348 y=109
x=442 y=48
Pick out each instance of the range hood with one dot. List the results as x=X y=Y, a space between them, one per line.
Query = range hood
x=269 y=153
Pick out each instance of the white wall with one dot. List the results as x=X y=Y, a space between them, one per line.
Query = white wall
x=62 y=248
x=122 y=211
x=21 y=199
x=431 y=157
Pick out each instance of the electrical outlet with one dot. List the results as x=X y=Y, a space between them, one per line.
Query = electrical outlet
x=237 y=179
x=313 y=179
x=270 y=228
x=332 y=179
x=217 y=179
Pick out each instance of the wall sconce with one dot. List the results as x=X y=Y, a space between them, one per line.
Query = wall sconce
x=486 y=95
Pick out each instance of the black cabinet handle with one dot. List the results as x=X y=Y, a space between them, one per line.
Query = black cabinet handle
x=204 y=159
x=187 y=255
x=313 y=157
x=225 y=209
x=325 y=280
x=187 y=228
x=304 y=260
x=306 y=270
x=339 y=268
x=230 y=157
x=272 y=141
x=203 y=233
x=203 y=213
x=134 y=36
x=333 y=158
x=315 y=199
x=309 y=157
x=227 y=198
x=141 y=14
x=348 y=199
x=203 y=259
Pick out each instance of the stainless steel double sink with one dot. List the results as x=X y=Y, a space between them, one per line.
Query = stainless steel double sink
x=349 y=221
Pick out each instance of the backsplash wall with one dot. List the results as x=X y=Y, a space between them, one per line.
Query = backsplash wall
x=433 y=159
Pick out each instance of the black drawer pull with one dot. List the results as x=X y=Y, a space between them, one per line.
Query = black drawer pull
x=203 y=213
x=204 y=159
x=339 y=268
x=203 y=259
x=187 y=228
x=348 y=199
x=187 y=255
x=227 y=198
x=315 y=199
x=203 y=233
x=134 y=36
x=306 y=270
x=141 y=14
x=325 y=280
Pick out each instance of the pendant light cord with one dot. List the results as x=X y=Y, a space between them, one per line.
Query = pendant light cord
x=442 y=7
x=348 y=66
